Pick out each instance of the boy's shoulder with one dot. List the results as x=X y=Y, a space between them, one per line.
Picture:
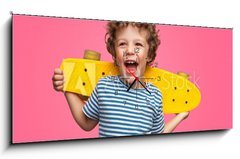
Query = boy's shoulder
x=108 y=78
x=154 y=89
x=108 y=82
x=105 y=80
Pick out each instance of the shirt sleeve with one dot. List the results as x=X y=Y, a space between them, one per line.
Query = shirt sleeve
x=158 y=121
x=91 y=108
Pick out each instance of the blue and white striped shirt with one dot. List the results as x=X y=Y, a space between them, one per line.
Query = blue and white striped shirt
x=125 y=113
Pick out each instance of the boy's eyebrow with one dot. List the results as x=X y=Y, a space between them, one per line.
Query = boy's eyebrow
x=117 y=40
x=142 y=40
x=121 y=39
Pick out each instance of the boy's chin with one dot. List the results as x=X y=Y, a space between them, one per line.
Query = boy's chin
x=130 y=79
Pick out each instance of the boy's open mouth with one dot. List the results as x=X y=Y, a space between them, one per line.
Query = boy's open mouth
x=131 y=65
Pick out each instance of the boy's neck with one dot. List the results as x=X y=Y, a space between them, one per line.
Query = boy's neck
x=136 y=85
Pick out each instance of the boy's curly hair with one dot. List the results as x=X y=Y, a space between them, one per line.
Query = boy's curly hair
x=152 y=39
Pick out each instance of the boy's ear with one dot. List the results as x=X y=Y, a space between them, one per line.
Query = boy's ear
x=115 y=61
x=149 y=59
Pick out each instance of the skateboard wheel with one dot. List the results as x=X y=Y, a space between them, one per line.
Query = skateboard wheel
x=92 y=55
x=183 y=74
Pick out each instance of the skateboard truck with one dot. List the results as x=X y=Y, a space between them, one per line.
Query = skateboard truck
x=92 y=55
x=183 y=74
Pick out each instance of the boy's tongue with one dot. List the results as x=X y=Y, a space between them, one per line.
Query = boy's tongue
x=131 y=68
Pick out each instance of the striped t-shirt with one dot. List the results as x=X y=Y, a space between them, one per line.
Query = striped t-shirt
x=125 y=113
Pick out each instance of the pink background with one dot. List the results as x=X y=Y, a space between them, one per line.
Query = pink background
x=40 y=44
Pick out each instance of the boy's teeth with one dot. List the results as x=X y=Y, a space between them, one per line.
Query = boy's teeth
x=130 y=62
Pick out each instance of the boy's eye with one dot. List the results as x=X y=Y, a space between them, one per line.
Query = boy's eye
x=122 y=44
x=139 y=44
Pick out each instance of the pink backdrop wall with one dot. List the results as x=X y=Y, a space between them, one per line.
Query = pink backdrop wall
x=40 y=43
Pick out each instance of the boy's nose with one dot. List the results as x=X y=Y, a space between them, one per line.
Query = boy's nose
x=129 y=53
x=130 y=50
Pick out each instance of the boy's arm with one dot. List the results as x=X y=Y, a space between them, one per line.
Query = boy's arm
x=173 y=123
x=76 y=104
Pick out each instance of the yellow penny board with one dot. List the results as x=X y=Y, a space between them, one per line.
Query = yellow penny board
x=179 y=94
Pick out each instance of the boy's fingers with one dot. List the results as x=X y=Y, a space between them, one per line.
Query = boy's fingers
x=59 y=88
x=58 y=71
x=58 y=77
x=58 y=83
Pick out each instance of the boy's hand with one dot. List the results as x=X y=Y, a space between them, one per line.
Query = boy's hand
x=175 y=121
x=183 y=115
x=58 y=79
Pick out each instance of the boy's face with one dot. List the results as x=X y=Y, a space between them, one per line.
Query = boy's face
x=131 y=52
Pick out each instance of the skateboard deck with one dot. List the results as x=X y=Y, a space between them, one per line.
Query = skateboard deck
x=179 y=94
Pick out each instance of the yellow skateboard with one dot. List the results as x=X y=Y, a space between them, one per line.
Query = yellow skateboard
x=81 y=76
